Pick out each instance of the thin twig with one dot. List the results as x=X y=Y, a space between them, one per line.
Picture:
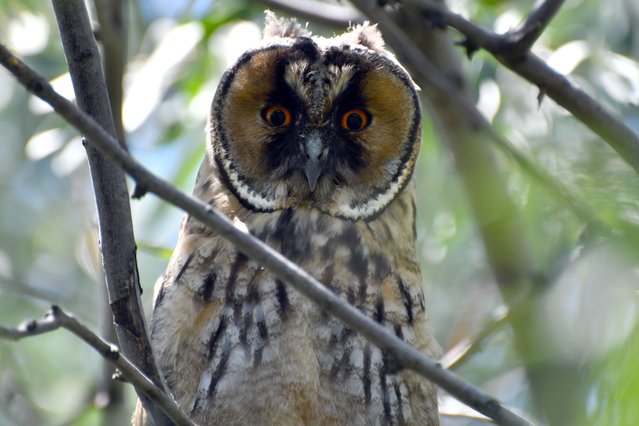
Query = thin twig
x=460 y=414
x=582 y=106
x=29 y=328
x=257 y=250
x=56 y=318
x=466 y=418
x=325 y=13
x=467 y=347
x=111 y=193
x=529 y=31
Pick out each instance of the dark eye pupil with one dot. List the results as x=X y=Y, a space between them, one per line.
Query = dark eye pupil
x=354 y=121
x=277 y=117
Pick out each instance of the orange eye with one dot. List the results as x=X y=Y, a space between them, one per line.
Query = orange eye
x=277 y=116
x=354 y=120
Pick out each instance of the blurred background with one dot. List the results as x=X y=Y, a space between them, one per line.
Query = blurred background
x=176 y=52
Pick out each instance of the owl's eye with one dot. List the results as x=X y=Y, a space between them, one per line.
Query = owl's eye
x=277 y=116
x=354 y=120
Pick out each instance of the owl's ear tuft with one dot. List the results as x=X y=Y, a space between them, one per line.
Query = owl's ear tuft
x=367 y=35
x=275 y=27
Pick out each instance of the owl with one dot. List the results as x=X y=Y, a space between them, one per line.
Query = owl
x=312 y=142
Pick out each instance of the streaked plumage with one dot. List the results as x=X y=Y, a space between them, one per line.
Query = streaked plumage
x=312 y=144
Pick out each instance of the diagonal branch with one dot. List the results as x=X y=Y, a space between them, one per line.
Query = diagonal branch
x=56 y=318
x=469 y=346
x=276 y=263
x=585 y=108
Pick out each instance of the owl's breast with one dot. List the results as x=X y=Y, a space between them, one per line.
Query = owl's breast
x=246 y=339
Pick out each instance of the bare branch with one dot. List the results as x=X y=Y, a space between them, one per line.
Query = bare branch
x=475 y=419
x=111 y=193
x=525 y=36
x=458 y=413
x=30 y=328
x=112 y=34
x=465 y=348
x=586 y=109
x=325 y=13
x=280 y=266
x=56 y=318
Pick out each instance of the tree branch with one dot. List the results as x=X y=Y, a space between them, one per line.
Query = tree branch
x=325 y=13
x=29 y=328
x=56 y=318
x=525 y=36
x=276 y=263
x=467 y=347
x=594 y=115
x=111 y=193
x=112 y=34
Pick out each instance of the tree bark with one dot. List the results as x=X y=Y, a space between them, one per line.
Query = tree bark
x=117 y=241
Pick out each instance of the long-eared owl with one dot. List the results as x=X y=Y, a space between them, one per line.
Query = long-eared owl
x=312 y=142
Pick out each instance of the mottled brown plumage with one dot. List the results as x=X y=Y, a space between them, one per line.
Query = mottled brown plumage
x=312 y=144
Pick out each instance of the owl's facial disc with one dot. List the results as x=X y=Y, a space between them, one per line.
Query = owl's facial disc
x=303 y=123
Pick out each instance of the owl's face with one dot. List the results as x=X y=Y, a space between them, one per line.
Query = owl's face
x=302 y=122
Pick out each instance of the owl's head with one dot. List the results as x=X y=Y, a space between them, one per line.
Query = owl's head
x=311 y=122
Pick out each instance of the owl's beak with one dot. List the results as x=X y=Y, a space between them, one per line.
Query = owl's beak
x=315 y=159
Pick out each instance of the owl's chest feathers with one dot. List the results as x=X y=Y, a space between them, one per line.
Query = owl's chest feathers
x=233 y=326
